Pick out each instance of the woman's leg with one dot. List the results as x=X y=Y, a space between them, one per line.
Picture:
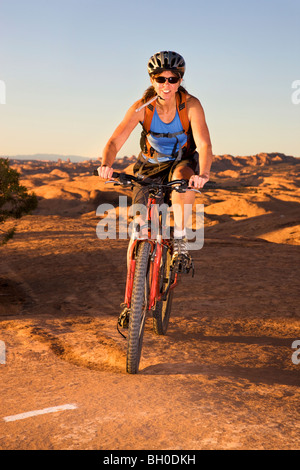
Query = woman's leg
x=182 y=203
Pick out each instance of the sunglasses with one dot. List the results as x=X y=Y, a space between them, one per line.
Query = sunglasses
x=171 y=80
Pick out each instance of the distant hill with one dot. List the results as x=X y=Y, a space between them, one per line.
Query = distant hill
x=229 y=162
x=53 y=157
x=48 y=156
x=220 y=162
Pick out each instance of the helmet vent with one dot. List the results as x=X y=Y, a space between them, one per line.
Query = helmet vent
x=166 y=60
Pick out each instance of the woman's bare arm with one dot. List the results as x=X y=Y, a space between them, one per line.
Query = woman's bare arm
x=202 y=140
x=118 y=139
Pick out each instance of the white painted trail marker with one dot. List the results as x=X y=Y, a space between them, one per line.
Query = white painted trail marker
x=30 y=414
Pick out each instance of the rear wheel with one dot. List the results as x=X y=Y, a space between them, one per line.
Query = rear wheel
x=161 y=314
x=139 y=308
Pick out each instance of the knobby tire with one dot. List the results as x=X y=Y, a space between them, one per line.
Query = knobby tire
x=139 y=308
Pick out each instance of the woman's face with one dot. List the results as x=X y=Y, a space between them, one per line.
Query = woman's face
x=166 y=90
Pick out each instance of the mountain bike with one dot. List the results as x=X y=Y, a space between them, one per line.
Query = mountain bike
x=152 y=268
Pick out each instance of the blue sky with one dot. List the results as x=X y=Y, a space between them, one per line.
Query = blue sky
x=73 y=67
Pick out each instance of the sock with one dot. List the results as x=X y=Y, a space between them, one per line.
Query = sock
x=179 y=233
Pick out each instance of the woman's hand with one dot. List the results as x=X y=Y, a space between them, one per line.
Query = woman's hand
x=198 y=181
x=105 y=172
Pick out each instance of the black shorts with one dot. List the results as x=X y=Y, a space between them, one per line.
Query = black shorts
x=160 y=173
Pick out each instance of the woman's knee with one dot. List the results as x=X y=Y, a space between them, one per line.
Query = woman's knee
x=183 y=172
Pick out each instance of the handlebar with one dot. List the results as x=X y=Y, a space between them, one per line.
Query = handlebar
x=178 y=185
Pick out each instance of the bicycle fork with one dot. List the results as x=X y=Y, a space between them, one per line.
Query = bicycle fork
x=154 y=277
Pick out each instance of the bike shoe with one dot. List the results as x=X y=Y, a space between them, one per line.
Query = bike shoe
x=181 y=257
x=180 y=247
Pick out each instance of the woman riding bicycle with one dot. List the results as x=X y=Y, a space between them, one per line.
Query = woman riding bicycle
x=174 y=127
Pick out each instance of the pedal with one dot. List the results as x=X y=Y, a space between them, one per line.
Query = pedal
x=188 y=265
x=183 y=264
x=123 y=320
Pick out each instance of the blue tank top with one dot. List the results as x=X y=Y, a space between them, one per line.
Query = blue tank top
x=165 y=145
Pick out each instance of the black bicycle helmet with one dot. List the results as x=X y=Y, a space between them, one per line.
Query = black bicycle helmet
x=166 y=60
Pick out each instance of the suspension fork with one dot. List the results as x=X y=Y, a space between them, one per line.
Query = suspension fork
x=155 y=270
x=130 y=273
x=153 y=215
x=131 y=269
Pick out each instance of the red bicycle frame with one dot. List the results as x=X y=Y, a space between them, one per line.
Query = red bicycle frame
x=155 y=264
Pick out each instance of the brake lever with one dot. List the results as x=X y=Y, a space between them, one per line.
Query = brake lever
x=115 y=182
x=185 y=189
x=193 y=189
x=119 y=183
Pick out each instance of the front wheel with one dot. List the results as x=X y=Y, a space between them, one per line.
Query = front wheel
x=161 y=314
x=139 y=308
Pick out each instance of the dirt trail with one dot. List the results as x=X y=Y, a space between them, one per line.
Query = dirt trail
x=222 y=378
